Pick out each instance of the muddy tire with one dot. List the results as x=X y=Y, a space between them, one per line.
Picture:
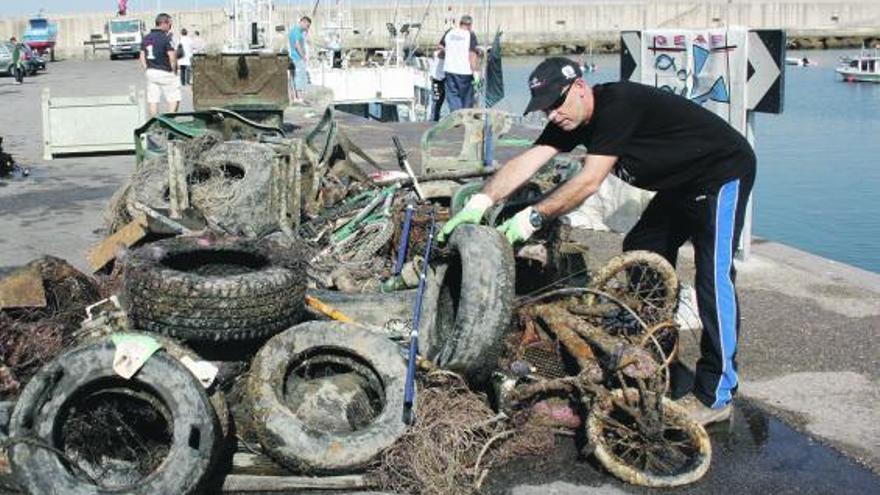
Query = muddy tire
x=677 y=426
x=149 y=186
x=469 y=303
x=202 y=290
x=293 y=438
x=231 y=186
x=49 y=403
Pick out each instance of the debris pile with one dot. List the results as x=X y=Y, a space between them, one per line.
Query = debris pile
x=221 y=239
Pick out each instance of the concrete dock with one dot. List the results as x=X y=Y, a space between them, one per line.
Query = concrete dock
x=807 y=417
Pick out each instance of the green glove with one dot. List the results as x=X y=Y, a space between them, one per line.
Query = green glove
x=518 y=228
x=471 y=213
x=477 y=80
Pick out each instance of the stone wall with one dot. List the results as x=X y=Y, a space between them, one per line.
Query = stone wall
x=543 y=25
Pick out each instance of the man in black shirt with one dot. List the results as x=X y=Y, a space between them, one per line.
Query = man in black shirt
x=159 y=60
x=701 y=168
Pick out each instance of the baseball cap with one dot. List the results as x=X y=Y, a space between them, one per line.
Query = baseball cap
x=466 y=19
x=548 y=80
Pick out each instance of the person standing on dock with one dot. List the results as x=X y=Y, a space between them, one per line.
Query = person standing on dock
x=701 y=168
x=185 y=51
x=460 y=64
x=18 y=70
x=298 y=68
x=438 y=84
x=159 y=61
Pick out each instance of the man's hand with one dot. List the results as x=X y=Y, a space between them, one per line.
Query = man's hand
x=471 y=213
x=518 y=228
x=477 y=79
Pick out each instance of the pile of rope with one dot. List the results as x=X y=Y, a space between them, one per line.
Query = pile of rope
x=457 y=438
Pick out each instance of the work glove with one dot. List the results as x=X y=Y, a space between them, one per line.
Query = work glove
x=518 y=228
x=478 y=81
x=471 y=213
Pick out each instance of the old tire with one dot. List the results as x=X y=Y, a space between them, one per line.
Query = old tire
x=232 y=188
x=469 y=303
x=83 y=373
x=294 y=441
x=171 y=289
x=676 y=421
x=149 y=186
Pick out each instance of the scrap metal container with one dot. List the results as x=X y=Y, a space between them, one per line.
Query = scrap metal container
x=253 y=84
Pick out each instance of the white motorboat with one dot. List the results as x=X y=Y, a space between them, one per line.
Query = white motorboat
x=863 y=68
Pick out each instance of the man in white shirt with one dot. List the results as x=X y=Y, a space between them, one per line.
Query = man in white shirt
x=184 y=62
x=462 y=67
x=198 y=44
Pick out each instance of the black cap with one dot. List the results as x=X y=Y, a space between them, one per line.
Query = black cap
x=548 y=80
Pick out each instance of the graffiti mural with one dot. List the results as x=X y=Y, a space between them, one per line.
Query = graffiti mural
x=707 y=67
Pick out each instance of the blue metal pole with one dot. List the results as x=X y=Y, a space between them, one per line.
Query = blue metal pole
x=404 y=239
x=409 y=389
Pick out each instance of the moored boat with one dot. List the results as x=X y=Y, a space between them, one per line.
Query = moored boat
x=863 y=68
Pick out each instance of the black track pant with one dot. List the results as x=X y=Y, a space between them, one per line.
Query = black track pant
x=438 y=96
x=712 y=219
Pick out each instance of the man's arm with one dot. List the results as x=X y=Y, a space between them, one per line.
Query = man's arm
x=172 y=58
x=577 y=189
x=509 y=178
x=143 y=59
x=300 y=49
x=473 y=56
x=517 y=171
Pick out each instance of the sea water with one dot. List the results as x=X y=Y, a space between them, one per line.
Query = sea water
x=818 y=183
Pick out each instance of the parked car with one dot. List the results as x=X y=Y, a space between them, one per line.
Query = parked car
x=5 y=58
x=32 y=61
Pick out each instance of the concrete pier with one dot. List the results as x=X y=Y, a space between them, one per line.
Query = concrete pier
x=532 y=27
x=808 y=353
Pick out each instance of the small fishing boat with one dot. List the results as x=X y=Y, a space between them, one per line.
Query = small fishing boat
x=863 y=68
x=799 y=61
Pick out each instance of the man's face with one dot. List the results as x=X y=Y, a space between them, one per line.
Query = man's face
x=466 y=26
x=165 y=26
x=305 y=25
x=575 y=109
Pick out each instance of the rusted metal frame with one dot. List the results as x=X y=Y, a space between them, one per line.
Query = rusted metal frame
x=556 y=322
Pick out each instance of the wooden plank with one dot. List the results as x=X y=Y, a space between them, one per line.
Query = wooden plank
x=23 y=289
x=126 y=237
x=178 y=190
x=257 y=464
x=248 y=483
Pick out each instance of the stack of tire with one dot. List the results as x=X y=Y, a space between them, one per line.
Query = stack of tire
x=226 y=291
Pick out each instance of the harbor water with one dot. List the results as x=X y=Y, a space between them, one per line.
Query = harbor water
x=818 y=161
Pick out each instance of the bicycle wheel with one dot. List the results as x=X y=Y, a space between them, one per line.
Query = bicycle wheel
x=642 y=280
x=661 y=448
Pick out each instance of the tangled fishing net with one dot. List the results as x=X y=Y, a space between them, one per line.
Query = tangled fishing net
x=29 y=338
x=230 y=185
x=457 y=438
